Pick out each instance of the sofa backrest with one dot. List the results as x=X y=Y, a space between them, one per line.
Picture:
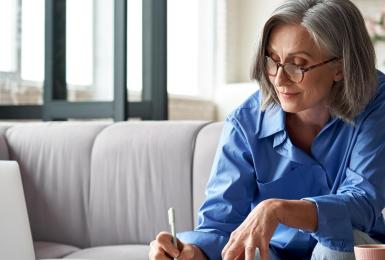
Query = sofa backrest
x=55 y=160
x=91 y=184
x=138 y=171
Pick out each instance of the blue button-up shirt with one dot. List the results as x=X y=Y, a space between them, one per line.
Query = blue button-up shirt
x=256 y=160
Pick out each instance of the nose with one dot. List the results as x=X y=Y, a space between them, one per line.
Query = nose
x=281 y=78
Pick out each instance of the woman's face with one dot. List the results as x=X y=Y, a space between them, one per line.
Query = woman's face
x=293 y=44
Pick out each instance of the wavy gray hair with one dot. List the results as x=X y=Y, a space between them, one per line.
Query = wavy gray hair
x=337 y=27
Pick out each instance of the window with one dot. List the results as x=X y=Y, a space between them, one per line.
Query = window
x=21 y=49
x=8 y=31
x=90 y=50
x=80 y=45
x=32 y=41
x=191 y=47
x=134 y=49
x=80 y=54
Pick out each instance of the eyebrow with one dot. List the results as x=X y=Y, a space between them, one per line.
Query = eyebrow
x=300 y=52
x=293 y=53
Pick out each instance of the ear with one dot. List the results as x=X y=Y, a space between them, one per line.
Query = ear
x=338 y=72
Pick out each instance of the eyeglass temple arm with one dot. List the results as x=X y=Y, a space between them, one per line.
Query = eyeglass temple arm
x=319 y=64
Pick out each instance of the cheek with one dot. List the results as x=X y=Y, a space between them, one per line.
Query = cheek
x=272 y=80
x=318 y=86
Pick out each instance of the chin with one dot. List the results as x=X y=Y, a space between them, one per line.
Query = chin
x=289 y=108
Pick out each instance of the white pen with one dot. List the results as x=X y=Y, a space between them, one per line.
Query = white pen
x=171 y=221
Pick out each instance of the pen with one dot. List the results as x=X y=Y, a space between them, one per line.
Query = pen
x=171 y=221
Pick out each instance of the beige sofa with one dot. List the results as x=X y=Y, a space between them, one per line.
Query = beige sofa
x=102 y=190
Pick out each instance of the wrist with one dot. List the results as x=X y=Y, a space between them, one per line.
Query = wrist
x=198 y=253
x=277 y=208
x=295 y=213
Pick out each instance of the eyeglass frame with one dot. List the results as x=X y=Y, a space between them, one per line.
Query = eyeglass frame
x=303 y=70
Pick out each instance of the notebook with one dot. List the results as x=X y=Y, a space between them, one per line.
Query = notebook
x=15 y=233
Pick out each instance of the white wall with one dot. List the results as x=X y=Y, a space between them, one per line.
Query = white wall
x=244 y=22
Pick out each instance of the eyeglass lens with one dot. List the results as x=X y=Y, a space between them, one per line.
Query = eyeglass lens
x=292 y=71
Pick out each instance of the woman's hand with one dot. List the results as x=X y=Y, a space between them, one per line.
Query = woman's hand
x=163 y=248
x=255 y=232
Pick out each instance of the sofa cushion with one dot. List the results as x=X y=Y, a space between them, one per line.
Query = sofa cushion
x=121 y=252
x=54 y=160
x=45 y=250
x=139 y=170
x=205 y=148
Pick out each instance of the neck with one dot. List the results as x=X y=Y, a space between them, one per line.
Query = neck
x=304 y=126
x=315 y=119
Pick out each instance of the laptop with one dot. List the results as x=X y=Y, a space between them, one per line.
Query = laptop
x=15 y=233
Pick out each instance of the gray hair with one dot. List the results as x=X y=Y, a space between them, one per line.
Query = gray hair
x=337 y=27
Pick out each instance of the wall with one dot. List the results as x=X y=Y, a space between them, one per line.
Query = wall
x=371 y=8
x=244 y=22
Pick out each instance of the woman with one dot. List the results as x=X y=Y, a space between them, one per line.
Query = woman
x=300 y=168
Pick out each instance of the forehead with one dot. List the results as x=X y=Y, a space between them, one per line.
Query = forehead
x=288 y=38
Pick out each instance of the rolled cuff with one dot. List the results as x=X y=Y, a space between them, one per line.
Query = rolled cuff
x=210 y=243
x=335 y=229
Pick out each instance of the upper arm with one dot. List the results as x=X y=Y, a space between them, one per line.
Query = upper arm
x=365 y=174
x=232 y=185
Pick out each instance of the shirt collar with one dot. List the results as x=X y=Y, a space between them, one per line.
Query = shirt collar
x=272 y=121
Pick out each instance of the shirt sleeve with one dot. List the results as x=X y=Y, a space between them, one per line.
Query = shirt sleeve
x=229 y=193
x=360 y=197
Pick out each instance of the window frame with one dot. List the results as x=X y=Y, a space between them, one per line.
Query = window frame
x=154 y=95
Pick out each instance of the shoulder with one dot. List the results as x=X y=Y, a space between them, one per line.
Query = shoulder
x=254 y=122
x=380 y=94
x=248 y=114
x=378 y=101
x=381 y=87
x=374 y=113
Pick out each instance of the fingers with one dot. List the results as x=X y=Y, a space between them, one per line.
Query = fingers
x=187 y=253
x=164 y=240
x=240 y=257
x=232 y=252
x=158 y=256
x=236 y=250
x=179 y=244
x=250 y=249
x=228 y=250
x=156 y=253
x=264 y=252
x=250 y=252
x=162 y=247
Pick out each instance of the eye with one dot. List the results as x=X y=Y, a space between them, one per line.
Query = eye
x=299 y=62
x=274 y=57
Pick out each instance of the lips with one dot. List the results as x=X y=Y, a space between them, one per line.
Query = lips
x=288 y=94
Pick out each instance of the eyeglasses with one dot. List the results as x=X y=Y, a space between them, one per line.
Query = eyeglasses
x=294 y=72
